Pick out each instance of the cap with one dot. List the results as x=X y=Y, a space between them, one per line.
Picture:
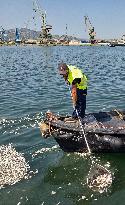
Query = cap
x=62 y=68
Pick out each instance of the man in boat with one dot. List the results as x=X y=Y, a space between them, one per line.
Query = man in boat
x=77 y=81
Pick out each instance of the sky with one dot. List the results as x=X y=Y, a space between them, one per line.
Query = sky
x=107 y=16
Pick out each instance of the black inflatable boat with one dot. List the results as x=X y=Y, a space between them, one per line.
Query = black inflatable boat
x=105 y=131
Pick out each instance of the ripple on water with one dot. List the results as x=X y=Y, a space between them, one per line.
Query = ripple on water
x=31 y=84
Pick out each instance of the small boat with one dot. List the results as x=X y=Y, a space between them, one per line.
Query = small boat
x=111 y=45
x=104 y=131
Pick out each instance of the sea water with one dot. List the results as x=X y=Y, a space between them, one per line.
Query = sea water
x=29 y=86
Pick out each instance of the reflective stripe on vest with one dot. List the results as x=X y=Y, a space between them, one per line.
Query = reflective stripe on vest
x=77 y=73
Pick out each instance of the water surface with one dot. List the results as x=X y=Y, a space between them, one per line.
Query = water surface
x=31 y=85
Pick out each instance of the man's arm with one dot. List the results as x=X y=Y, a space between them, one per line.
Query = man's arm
x=74 y=89
x=74 y=94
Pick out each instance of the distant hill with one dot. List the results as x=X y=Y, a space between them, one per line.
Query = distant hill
x=31 y=34
x=24 y=34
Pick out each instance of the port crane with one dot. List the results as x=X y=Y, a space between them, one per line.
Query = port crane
x=17 y=36
x=2 y=33
x=90 y=30
x=45 y=29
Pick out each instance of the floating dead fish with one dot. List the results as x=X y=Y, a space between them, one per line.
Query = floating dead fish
x=13 y=166
x=99 y=178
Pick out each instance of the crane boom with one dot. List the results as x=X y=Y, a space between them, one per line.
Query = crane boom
x=45 y=29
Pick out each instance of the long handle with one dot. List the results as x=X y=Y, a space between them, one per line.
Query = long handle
x=83 y=131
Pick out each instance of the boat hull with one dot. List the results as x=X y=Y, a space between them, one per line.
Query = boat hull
x=105 y=132
x=102 y=144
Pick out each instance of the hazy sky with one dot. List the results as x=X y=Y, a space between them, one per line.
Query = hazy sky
x=107 y=16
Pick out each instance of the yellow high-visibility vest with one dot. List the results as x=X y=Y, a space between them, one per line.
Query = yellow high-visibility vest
x=74 y=73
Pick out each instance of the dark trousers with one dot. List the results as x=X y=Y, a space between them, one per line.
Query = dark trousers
x=80 y=104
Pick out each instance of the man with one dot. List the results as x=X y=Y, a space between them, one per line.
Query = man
x=78 y=82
